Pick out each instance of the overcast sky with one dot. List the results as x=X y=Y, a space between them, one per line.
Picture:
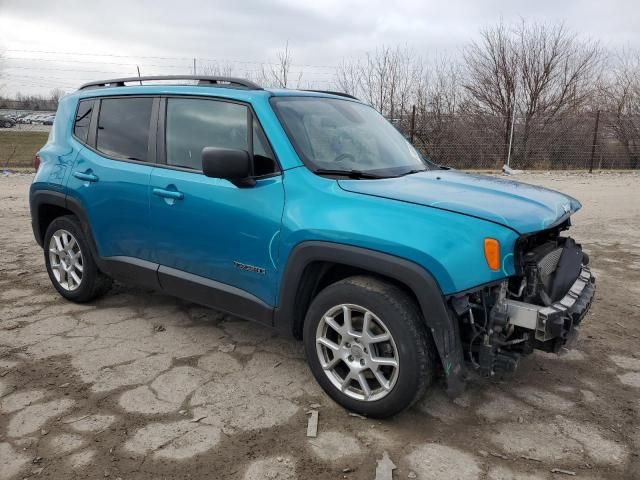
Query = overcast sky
x=36 y=36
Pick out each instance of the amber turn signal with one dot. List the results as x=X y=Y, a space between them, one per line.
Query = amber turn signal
x=492 y=253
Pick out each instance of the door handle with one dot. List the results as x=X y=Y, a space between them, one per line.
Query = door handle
x=161 y=192
x=87 y=177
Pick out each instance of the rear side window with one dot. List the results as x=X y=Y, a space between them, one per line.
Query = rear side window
x=83 y=118
x=123 y=127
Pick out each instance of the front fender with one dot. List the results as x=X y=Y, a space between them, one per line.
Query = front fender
x=439 y=322
x=449 y=245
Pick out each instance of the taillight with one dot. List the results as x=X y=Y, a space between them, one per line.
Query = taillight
x=36 y=162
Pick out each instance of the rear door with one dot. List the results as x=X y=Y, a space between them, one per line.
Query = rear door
x=110 y=178
x=209 y=227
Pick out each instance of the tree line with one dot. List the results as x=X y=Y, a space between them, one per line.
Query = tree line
x=529 y=92
x=536 y=94
x=33 y=102
x=536 y=87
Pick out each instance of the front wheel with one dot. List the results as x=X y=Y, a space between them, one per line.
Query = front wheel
x=367 y=346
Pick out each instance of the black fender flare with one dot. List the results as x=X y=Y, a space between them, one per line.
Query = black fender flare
x=438 y=318
x=39 y=198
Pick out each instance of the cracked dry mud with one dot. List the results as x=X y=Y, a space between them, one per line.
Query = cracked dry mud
x=93 y=390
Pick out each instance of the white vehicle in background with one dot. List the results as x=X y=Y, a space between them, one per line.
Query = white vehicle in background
x=35 y=118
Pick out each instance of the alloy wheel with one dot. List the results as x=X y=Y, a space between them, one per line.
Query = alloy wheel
x=65 y=259
x=357 y=352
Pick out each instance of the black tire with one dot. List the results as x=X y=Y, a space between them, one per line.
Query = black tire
x=401 y=316
x=93 y=282
x=7 y=125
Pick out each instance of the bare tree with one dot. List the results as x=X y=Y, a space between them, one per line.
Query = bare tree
x=218 y=69
x=621 y=97
x=385 y=79
x=436 y=97
x=542 y=71
x=558 y=74
x=55 y=96
x=279 y=74
x=349 y=77
x=492 y=67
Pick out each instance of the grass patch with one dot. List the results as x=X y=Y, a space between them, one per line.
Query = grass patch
x=17 y=148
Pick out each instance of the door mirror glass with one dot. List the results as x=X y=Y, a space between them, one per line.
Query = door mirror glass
x=227 y=163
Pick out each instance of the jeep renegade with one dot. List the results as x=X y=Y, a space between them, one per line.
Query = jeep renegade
x=308 y=212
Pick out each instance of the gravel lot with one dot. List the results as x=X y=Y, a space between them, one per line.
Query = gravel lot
x=141 y=385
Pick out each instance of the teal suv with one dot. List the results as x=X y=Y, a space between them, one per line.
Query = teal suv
x=308 y=212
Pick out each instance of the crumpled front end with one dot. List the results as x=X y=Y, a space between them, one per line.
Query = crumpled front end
x=540 y=307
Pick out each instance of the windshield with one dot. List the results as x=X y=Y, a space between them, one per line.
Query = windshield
x=336 y=136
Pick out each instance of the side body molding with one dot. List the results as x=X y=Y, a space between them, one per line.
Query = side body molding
x=443 y=327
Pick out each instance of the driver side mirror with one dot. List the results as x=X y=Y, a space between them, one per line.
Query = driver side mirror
x=228 y=163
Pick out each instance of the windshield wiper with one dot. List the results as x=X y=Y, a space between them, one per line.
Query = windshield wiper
x=415 y=170
x=348 y=173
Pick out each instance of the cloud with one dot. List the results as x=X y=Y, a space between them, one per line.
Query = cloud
x=237 y=33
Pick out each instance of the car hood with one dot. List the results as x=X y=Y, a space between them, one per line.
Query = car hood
x=522 y=207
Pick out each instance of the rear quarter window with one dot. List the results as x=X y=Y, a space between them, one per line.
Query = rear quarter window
x=82 y=120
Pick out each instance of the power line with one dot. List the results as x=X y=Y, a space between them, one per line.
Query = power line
x=62 y=60
x=108 y=72
x=159 y=69
x=52 y=52
x=183 y=67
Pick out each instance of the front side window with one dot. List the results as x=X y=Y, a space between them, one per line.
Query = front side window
x=344 y=136
x=194 y=123
x=83 y=118
x=123 y=127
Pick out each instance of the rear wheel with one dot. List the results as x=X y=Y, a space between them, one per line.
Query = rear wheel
x=367 y=346
x=70 y=265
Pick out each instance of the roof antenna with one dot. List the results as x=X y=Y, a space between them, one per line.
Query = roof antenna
x=139 y=74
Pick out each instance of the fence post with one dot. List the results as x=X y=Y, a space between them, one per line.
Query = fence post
x=513 y=122
x=595 y=141
x=412 y=130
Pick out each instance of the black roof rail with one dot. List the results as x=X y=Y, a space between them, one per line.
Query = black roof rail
x=202 y=80
x=340 y=94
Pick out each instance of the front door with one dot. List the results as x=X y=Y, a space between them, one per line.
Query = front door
x=210 y=228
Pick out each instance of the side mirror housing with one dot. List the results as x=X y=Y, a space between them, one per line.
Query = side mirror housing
x=229 y=164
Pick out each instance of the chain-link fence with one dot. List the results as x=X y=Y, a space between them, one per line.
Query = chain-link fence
x=593 y=140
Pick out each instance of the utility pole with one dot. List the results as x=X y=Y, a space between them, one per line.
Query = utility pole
x=194 y=66
x=595 y=141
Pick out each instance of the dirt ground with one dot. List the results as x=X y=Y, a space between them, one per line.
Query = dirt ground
x=141 y=385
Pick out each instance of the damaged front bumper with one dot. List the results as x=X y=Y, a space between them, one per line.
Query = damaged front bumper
x=556 y=325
